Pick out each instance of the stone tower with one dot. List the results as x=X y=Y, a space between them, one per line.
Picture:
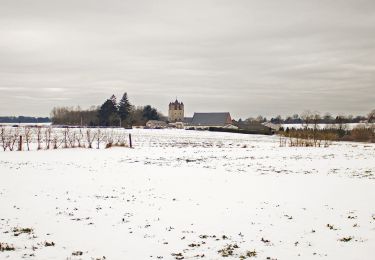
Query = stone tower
x=176 y=112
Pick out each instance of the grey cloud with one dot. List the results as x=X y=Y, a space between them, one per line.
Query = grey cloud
x=246 y=57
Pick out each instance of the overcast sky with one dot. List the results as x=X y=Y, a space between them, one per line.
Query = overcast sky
x=247 y=57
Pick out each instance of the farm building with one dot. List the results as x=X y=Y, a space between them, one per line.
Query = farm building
x=205 y=120
x=156 y=124
x=275 y=127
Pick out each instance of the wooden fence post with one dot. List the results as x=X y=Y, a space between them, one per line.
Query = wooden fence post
x=130 y=141
x=20 y=144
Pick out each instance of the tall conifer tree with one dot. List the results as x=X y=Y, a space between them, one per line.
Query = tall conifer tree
x=124 y=109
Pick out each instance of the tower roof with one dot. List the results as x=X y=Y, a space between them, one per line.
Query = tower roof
x=176 y=102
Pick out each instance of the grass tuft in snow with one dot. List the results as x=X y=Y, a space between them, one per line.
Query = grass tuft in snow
x=346 y=239
x=77 y=253
x=6 y=247
x=249 y=254
x=228 y=250
x=331 y=227
x=18 y=231
x=46 y=243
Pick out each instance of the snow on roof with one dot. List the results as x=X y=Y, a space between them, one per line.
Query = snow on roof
x=156 y=122
x=211 y=119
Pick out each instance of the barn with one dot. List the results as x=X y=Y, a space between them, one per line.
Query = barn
x=205 y=120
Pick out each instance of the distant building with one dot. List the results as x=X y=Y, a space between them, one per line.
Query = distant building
x=156 y=124
x=176 y=112
x=275 y=127
x=204 y=120
x=187 y=120
x=230 y=127
x=258 y=128
x=178 y=125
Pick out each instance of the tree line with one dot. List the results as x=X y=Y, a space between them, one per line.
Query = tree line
x=337 y=130
x=306 y=116
x=110 y=113
x=23 y=119
x=324 y=137
x=46 y=137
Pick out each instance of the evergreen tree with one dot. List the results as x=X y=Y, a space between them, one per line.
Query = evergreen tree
x=108 y=112
x=150 y=113
x=124 y=109
x=114 y=100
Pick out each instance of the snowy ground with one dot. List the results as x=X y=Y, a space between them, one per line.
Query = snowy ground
x=190 y=195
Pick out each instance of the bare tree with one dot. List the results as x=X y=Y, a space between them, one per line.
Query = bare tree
x=99 y=136
x=12 y=138
x=39 y=137
x=315 y=118
x=65 y=137
x=28 y=136
x=72 y=138
x=307 y=118
x=79 y=138
x=109 y=139
x=90 y=137
x=48 y=137
x=56 y=141
x=120 y=139
x=3 y=138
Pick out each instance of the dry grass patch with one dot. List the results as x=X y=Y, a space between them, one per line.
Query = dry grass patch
x=6 y=247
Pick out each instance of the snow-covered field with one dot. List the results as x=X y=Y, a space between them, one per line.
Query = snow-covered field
x=189 y=195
